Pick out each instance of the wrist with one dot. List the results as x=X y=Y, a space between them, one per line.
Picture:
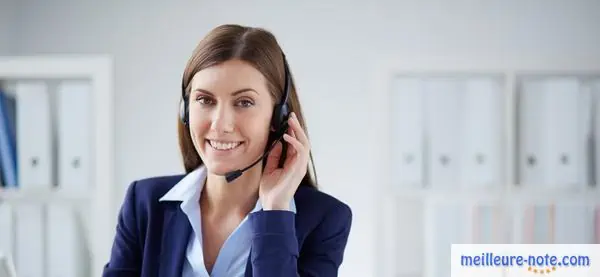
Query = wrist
x=276 y=205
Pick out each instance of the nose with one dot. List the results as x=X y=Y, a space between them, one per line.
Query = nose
x=223 y=120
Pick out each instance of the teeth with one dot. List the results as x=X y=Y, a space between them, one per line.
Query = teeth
x=223 y=145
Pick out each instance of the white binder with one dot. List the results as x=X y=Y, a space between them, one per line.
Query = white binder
x=65 y=244
x=409 y=219
x=551 y=133
x=574 y=224
x=30 y=250
x=6 y=229
x=544 y=217
x=563 y=133
x=34 y=135
x=447 y=225
x=74 y=115
x=482 y=133
x=531 y=121
x=443 y=114
x=407 y=132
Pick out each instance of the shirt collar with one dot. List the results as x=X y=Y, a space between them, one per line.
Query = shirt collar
x=191 y=184
x=189 y=188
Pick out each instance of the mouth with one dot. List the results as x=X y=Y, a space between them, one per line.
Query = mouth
x=224 y=145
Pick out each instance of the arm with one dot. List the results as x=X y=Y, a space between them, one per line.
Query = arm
x=275 y=246
x=125 y=254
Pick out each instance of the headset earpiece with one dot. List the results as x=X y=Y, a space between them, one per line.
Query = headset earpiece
x=183 y=112
x=281 y=111
x=280 y=116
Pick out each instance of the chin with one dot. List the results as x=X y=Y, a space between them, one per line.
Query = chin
x=220 y=169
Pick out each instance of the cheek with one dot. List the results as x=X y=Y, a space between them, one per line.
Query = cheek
x=257 y=129
x=199 y=127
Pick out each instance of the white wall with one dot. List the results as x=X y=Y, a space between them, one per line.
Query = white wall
x=330 y=47
x=8 y=16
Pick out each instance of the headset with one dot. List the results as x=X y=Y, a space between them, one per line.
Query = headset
x=279 y=125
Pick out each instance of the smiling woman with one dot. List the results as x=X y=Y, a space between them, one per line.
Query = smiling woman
x=247 y=205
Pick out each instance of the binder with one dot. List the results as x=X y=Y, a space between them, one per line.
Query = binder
x=408 y=225
x=6 y=229
x=482 y=133
x=574 y=224
x=65 y=244
x=34 y=135
x=538 y=224
x=561 y=223
x=563 y=133
x=551 y=136
x=8 y=147
x=443 y=98
x=531 y=121
x=30 y=250
x=449 y=217
x=74 y=115
x=487 y=224
x=407 y=132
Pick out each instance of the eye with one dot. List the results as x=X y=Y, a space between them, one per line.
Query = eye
x=245 y=103
x=204 y=100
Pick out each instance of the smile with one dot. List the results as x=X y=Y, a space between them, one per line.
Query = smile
x=223 y=145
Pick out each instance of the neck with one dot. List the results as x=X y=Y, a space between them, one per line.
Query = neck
x=220 y=198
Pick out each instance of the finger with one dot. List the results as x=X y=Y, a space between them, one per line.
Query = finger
x=291 y=150
x=298 y=147
x=273 y=158
x=297 y=128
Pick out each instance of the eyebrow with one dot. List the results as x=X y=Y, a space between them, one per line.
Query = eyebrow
x=233 y=93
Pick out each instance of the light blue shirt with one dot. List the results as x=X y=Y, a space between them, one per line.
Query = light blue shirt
x=233 y=256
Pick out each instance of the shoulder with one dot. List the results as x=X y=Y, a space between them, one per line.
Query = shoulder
x=312 y=200
x=317 y=208
x=143 y=194
x=153 y=188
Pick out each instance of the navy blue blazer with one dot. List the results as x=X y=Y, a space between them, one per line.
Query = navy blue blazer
x=151 y=236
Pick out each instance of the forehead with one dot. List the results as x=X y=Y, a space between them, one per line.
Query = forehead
x=229 y=76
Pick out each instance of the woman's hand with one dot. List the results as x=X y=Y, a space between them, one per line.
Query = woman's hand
x=278 y=185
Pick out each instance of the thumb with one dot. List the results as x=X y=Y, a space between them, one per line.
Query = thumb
x=273 y=157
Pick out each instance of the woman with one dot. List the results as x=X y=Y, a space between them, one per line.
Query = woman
x=247 y=205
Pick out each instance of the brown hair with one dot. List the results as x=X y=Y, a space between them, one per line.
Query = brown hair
x=259 y=48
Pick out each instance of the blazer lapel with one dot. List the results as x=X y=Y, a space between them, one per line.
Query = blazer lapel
x=175 y=237
x=249 y=265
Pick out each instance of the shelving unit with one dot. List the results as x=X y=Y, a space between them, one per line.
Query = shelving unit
x=489 y=193
x=65 y=222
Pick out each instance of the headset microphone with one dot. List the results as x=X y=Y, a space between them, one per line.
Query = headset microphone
x=230 y=176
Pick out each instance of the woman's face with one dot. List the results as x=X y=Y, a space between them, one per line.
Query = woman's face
x=230 y=110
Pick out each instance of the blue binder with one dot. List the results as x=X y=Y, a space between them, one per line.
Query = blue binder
x=8 y=141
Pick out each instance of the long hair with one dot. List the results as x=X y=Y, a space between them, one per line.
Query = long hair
x=259 y=48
